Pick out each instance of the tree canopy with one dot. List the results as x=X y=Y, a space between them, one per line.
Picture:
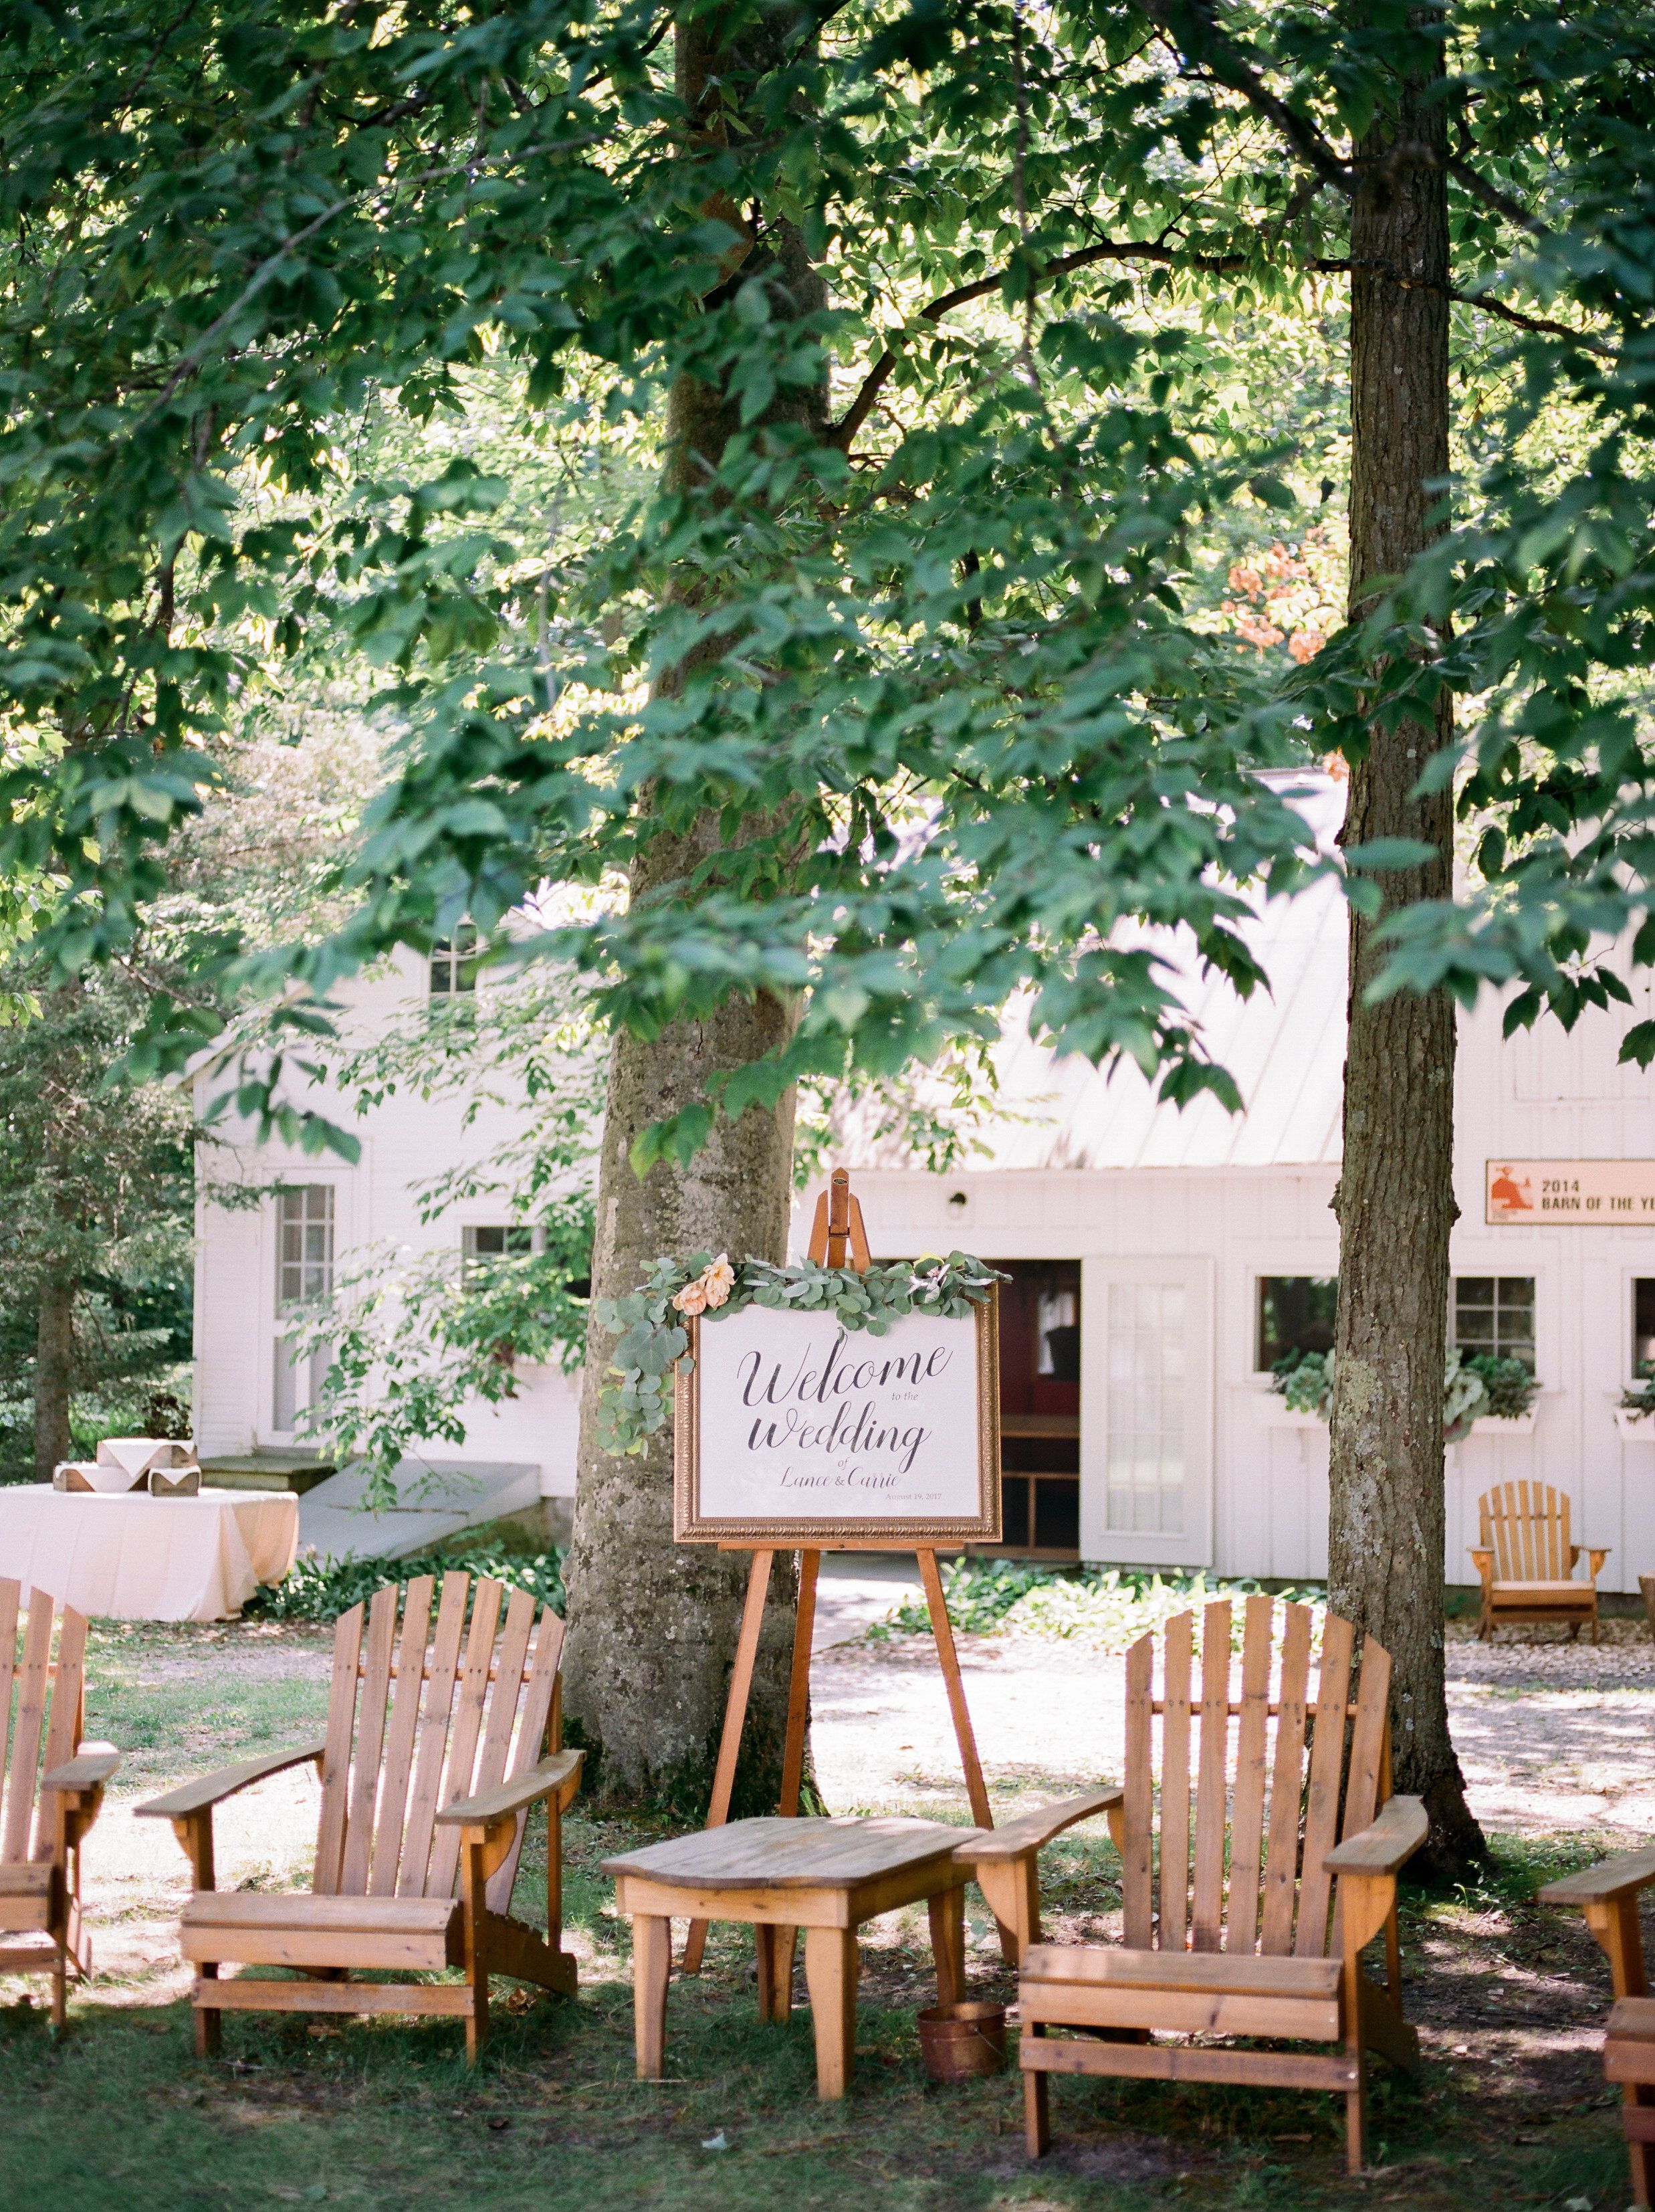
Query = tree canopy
x=965 y=673
x=774 y=477
x=953 y=665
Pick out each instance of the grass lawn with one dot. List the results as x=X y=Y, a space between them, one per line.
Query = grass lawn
x=1511 y=2108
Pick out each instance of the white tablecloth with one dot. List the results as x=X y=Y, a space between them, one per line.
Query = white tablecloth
x=137 y=1558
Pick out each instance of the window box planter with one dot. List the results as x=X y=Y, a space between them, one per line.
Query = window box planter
x=1635 y=1428
x=1504 y=1425
x=1278 y=1415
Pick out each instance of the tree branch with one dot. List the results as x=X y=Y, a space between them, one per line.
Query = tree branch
x=1231 y=68
x=841 y=433
x=1218 y=54
x=1406 y=153
x=1541 y=323
x=1491 y=196
x=861 y=407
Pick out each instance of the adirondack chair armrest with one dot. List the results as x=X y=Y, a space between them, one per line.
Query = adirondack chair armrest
x=1031 y=1831
x=1595 y=1560
x=90 y=1769
x=1484 y=1563
x=1366 y=1866
x=1388 y=1842
x=1606 y=1883
x=558 y=1775
x=211 y=1790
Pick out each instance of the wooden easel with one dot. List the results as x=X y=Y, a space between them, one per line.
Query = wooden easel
x=836 y=1232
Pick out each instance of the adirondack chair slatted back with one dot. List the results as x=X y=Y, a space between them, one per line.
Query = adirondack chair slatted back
x=1526 y=1526
x=42 y=1713
x=420 y=1718
x=1265 y=1817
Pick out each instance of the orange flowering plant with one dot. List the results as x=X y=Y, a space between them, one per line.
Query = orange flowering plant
x=1290 y=593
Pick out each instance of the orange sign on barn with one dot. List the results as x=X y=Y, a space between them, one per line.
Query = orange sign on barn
x=1602 y=1194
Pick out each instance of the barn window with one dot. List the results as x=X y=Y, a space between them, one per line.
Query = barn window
x=1296 y=1316
x=454 y=962
x=1493 y=1317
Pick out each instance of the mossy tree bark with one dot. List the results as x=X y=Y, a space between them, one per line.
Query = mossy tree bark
x=653 y=1624
x=1395 y=1201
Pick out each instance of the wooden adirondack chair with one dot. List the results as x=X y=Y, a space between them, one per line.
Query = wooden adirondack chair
x=51 y=1785
x=428 y=1776
x=1608 y=1895
x=1527 y=1562
x=1261 y=1943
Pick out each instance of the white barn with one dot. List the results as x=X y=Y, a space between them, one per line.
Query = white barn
x=1152 y=1255
x=313 y=1218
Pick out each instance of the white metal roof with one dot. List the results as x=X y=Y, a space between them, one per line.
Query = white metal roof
x=1284 y=1047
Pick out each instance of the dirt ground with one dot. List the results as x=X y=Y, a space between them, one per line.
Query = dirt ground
x=1554 y=1739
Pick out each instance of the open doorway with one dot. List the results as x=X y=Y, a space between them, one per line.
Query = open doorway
x=1040 y=1407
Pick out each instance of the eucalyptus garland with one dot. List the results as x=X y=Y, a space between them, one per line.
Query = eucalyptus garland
x=648 y=1322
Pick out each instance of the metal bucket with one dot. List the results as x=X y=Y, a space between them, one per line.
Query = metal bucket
x=958 y=2041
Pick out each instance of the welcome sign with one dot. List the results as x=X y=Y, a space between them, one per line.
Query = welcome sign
x=791 y=1429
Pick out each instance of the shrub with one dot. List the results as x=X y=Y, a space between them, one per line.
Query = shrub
x=1639 y=1398
x=1509 y=1385
x=321 y=1588
x=979 y=1592
x=1304 y=1379
x=1471 y=1387
x=1106 y=1608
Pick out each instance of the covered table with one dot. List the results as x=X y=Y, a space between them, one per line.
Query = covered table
x=131 y=1556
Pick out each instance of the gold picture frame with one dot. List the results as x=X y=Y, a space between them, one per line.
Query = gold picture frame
x=692 y=1525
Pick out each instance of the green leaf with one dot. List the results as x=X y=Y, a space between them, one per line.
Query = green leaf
x=1638 y=1045
x=1383 y=855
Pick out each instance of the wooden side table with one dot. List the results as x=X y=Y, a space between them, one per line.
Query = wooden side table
x=824 y=1876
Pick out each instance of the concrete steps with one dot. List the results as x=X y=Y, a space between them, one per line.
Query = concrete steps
x=297 y=1472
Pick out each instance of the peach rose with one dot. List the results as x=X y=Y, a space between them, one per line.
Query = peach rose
x=692 y=1299
x=718 y=1281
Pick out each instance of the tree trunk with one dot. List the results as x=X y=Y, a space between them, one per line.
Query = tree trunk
x=1395 y=1201
x=54 y=1362
x=653 y=1624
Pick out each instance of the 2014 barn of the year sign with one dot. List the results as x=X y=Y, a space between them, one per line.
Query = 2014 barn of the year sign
x=1597 y=1194
x=791 y=1427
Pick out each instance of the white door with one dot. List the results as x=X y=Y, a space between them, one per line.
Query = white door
x=1146 y=1421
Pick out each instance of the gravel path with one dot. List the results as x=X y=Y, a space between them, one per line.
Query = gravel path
x=231 y=1651
x=1545 y=1757
x=1554 y=1736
